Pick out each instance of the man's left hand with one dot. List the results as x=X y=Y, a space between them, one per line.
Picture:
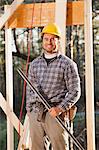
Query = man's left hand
x=55 y=111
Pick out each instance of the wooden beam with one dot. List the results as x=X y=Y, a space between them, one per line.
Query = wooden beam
x=25 y=137
x=9 y=12
x=11 y=115
x=44 y=13
x=60 y=19
x=90 y=116
x=9 y=85
x=24 y=129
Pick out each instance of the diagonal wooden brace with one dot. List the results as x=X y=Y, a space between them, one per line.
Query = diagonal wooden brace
x=8 y=111
x=9 y=12
x=25 y=141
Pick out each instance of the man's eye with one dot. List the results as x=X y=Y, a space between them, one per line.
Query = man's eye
x=46 y=39
x=52 y=39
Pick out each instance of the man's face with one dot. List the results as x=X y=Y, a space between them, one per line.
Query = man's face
x=50 y=43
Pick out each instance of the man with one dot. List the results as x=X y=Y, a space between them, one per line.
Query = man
x=56 y=77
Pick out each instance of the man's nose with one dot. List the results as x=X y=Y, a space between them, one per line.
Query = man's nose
x=49 y=41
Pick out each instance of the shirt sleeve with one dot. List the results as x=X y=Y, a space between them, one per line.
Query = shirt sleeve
x=72 y=81
x=31 y=97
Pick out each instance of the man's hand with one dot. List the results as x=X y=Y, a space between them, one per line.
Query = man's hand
x=55 y=111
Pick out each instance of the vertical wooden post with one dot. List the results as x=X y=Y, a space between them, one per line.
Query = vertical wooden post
x=71 y=46
x=60 y=19
x=9 y=85
x=89 y=76
x=71 y=121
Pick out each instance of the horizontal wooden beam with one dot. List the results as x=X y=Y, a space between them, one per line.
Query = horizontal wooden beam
x=44 y=13
x=9 y=12
x=10 y=114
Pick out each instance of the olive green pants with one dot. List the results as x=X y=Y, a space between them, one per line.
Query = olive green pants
x=50 y=127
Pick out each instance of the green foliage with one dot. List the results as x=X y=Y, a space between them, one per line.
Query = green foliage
x=16 y=139
x=3 y=134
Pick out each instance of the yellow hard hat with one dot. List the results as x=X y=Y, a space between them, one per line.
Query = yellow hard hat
x=51 y=28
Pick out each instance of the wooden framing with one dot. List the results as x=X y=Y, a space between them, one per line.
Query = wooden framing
x=9 y=86
x=25 y=140
x=62 y=6
x=9 y=12
x=24 y=131
x=89 y=76
x=44 y=13
x=9 y=112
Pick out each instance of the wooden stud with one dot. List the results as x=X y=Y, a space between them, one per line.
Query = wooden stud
x=90 y=119
x=9 y=86
x=60 y=19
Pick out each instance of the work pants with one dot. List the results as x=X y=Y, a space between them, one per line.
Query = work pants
x=49 y=127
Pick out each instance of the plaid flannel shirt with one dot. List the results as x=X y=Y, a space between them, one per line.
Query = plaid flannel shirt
x=59 y=80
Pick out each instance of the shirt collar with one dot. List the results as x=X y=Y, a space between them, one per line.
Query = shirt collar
x=58 y=55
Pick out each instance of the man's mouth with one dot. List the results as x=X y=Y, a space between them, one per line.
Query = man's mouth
x=49 y=46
